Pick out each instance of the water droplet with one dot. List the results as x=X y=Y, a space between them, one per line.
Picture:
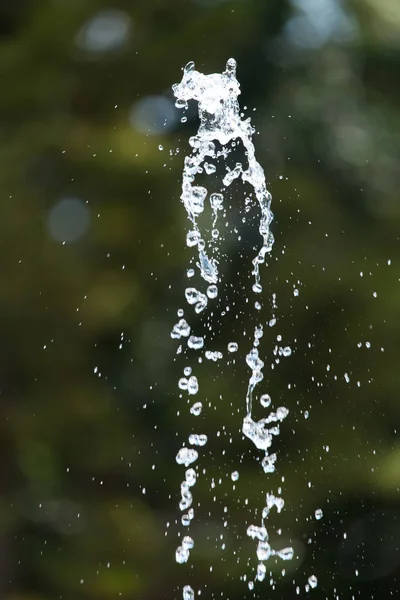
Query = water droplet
x=261 y=571
x=181 y=555
x=265 y=400
x=285 y=553
x=186 y=456
x=263 y=551
x=319 y=514
x=257 y=532
x=185 y=520
x=212 y=291
x=268 y=463
x=216 y=201
x=257 y=433
x=232 y=347
x=180 y=329
x=187 y=542
x=183 y=383
x=192 y=238
x=235 y=475
x=196 y=408
x=209 y=169
x=282 y=413
x=195 y=342
x=190 y=477
x=193 y=385
x=231 y=66
x=192 y=295
x=197 y=439
x=213 y=355
x=188 y=593
x=232 y=175
x=313 y=581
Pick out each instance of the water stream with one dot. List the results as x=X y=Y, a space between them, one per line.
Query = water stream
x=222 y=127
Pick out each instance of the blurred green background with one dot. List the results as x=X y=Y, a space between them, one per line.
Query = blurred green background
x=93 y=268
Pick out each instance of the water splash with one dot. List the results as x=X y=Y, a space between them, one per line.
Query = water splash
x=221 y=123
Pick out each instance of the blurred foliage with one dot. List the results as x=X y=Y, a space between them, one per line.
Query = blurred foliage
x=91 y=419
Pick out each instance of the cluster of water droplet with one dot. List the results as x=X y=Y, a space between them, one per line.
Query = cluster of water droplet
x=221 y=123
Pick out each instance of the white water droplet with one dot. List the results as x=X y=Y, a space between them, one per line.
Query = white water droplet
x=285 y=553
x=186 y=456
x=188 y=593
x=193 y=385
x=212 y=291
x=313 y=581
x=183 y=383
x=190 y=477
x=232 y=347
x=195 y=342
x=192 y=238
x=261 y=571
x=181 y=555
x=214 y=356
x=281 y=413
x=209 y=168
x=216 y=201
x=192 y=295
x=235 y=475
x=259 y=533
x=197 y=439
x=196 y=408
x=319 y=514
x=263 y=551
x=187 y=542
x=265 y=400
x=180 y=329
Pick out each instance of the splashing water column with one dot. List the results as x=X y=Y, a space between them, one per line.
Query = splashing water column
x=221 y=124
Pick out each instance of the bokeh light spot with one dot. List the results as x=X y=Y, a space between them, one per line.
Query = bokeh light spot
x=154 y=115
x=108 y=30
x=68 y=220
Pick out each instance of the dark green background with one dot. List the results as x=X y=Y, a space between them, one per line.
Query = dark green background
x=88 y=478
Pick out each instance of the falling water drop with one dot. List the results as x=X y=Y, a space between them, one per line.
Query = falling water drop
x=196 y=408
x=313 y=581
x=188 y=593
